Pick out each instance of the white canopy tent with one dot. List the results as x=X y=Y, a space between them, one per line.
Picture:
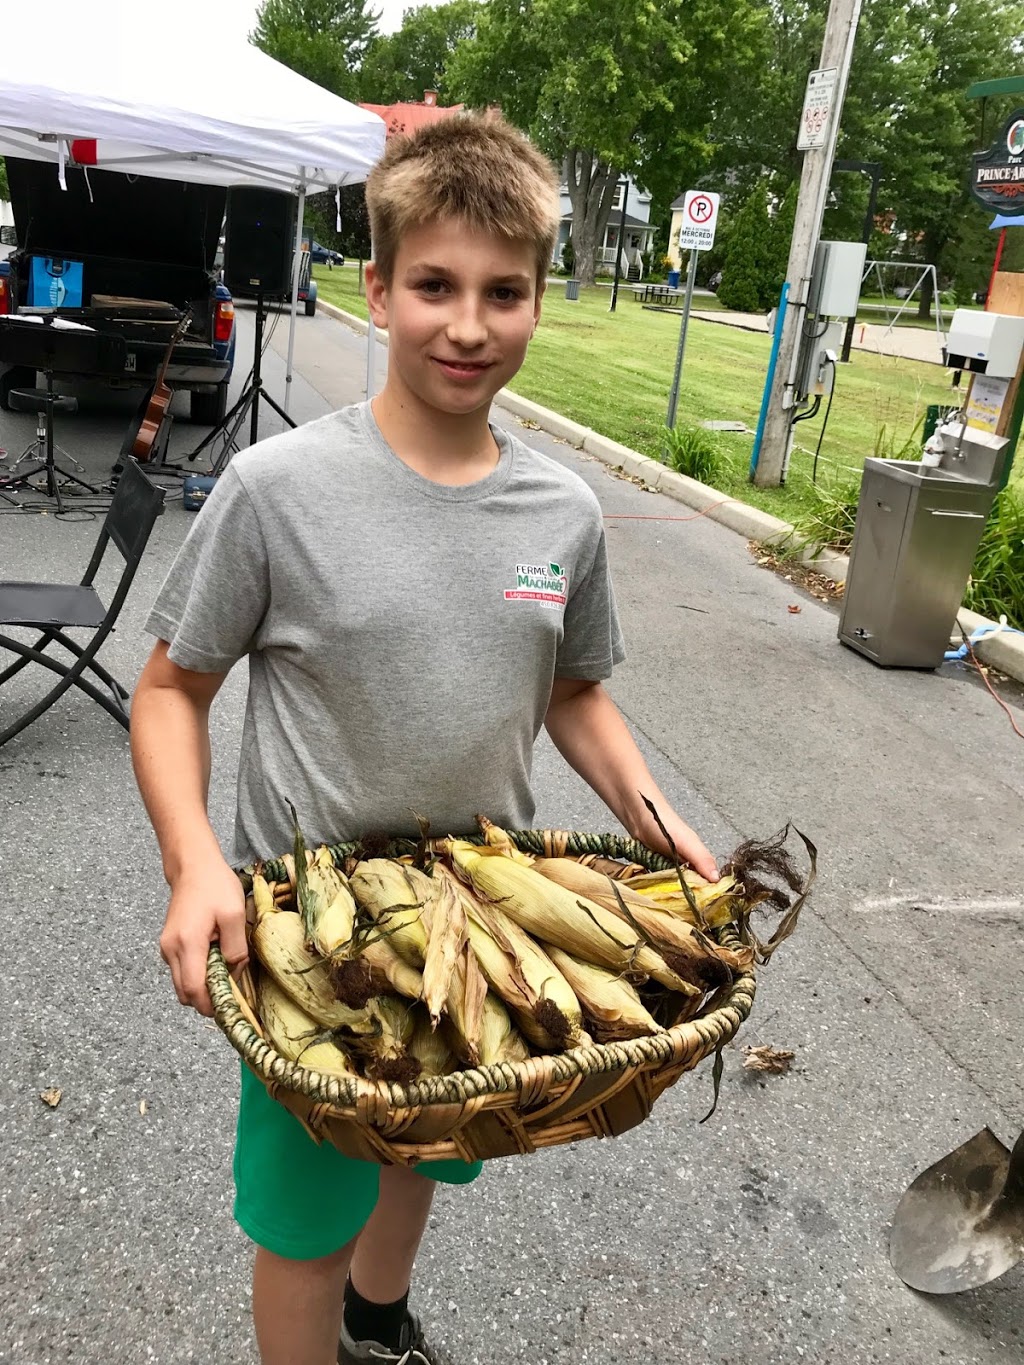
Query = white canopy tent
x=145 y=90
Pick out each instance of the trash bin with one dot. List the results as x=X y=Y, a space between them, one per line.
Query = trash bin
x=917 y=533
x=572 y=289
x=673 y=279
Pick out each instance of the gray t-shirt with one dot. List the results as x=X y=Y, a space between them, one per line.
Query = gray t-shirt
x=402 y=635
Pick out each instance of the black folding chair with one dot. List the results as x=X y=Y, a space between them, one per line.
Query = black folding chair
x=55 y=607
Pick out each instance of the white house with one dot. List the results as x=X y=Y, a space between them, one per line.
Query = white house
x=638 y=234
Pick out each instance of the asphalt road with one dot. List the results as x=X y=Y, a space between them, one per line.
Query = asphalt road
x=758 y=1237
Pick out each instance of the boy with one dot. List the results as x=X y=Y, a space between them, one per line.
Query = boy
x=367 y=565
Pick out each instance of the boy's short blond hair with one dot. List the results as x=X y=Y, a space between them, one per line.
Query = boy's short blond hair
x=475 y=168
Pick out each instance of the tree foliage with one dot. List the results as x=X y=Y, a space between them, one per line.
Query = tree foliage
x=608 y=87
x=401 y=66
x=323 y=40
x=756 y=257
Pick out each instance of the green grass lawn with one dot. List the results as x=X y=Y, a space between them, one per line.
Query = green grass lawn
x=613 y=373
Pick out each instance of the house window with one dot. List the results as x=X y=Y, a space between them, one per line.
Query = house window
x=617 y=201
x=612 y=238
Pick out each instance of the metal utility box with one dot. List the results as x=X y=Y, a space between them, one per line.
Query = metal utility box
x=917 y=533
x=813 y=372
x=836 y=279
x=985 y=343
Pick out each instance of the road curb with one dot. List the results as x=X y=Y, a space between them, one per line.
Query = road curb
x=1003 y=651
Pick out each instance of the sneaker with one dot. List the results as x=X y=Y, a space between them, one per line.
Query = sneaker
x=412 y=1350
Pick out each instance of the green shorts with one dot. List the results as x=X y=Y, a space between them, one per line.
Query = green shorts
x=298 y=1199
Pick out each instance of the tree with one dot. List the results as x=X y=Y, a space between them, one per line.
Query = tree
x=323 y=40
x=749 y=263
x=401 y=66
x=5 y=193
x=608 y=87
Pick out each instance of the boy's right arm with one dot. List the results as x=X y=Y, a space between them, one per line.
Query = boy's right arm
x=170 y=743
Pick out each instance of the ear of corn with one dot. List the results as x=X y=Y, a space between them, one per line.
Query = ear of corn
x=521 y=972
x=444 y=918
x=554 y=915
x=465 y=1005
x=499 y=1040
x=394 y=896
x=280 y=944
x=612 y=1006
x=325 y=903
x=497 y=838
x=385 y=1050
x=696 y=959
x=296 y=1034
x=429 y=1046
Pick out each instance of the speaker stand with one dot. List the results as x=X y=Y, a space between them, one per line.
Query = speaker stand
x=247 y=402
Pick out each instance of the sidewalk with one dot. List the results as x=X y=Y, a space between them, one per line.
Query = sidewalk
x=756 y=1238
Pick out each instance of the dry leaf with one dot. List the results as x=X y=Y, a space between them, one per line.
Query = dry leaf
x=794 y=610
x=767 y=1058
x=143 y=1106
x=51 y=1097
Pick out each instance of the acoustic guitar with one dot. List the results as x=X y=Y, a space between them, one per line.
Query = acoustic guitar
x=159 y=400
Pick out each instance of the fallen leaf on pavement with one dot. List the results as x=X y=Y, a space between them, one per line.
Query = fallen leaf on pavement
x=143 y=1106
x=794 y=610
x=51 y=1097
x=768 y=1058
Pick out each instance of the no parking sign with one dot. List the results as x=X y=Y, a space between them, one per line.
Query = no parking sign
x=700 y=219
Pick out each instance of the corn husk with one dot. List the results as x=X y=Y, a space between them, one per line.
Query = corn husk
x=520 y=972
x=553 y=915
x=296 y=1034
x=695 y=957
x=612 y=1006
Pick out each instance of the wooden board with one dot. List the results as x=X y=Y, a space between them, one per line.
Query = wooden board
x=1007 y=296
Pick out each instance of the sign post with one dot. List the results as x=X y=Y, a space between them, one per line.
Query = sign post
x=700 y=220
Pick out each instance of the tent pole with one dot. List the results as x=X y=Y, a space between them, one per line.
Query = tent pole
x=295 y=286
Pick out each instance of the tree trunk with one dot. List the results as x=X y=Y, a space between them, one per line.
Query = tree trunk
x=359 y=287
x=924 y=308
x=591 y=191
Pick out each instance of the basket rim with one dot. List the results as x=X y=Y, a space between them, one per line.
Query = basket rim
x=694 y=1039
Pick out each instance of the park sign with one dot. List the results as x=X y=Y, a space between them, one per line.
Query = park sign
x=997 y=177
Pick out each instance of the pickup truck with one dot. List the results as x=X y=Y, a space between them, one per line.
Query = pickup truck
x=137 y=251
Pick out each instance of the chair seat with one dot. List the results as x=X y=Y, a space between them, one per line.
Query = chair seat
x=50 y=604
x=34 y=400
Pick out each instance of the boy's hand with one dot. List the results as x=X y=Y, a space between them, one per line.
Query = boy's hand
x=207 y=905
x=689 y=846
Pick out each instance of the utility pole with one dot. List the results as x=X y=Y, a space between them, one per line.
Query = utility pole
x=837 y=54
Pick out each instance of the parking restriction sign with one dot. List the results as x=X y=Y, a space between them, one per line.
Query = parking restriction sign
x=700 y=218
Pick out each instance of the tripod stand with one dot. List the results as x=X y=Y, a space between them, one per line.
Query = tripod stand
x=44 y=404
x=248 y=402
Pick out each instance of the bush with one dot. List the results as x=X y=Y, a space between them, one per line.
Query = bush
x=996 y=585
x=831 y=520
x=694 y=452
x=568 y=258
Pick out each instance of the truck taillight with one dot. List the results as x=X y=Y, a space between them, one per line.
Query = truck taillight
x=224 y=320
x=5 y=295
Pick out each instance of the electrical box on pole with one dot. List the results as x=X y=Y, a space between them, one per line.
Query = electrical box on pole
x=819 y=130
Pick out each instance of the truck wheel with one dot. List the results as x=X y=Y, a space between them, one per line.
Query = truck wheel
x=310 y=307
x=207 y=409
x=17 y=377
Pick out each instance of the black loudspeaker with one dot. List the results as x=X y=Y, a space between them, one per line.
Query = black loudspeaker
x=259 y=241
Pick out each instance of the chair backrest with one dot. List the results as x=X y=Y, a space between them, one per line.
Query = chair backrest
x=130 y=519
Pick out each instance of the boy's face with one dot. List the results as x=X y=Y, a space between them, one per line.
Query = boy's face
x=460 y=312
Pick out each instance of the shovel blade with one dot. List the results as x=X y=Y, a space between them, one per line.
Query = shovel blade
x=954 y=1229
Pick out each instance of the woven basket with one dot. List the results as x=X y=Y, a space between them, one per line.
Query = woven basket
x=490 y=1111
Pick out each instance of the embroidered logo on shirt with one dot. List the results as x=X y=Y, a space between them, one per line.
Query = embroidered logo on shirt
x=544 y=583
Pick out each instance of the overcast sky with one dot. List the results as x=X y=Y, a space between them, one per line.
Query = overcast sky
x=239 y=16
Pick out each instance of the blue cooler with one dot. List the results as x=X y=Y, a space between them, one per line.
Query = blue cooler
x=54 y=283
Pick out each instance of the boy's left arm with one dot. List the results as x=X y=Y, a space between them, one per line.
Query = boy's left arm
x=589 y=732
